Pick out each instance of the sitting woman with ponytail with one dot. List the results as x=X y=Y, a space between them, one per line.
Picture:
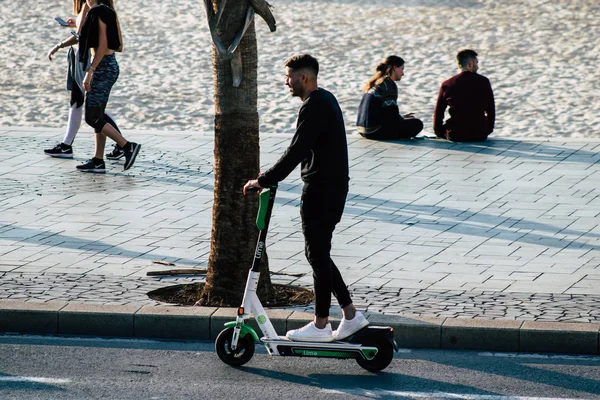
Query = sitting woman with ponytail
x=378 y=113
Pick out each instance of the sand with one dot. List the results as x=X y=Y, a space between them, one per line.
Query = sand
x=541 y=57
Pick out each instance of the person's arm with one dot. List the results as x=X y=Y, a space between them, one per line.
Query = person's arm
x=303 y=141
x=438 y=113
x=82 y=16
x=101 y=50
x=70 y=41
x=491 y=108
x=120 y=48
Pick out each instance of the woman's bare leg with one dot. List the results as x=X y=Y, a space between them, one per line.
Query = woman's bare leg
x=114 y=134
x=100 y=144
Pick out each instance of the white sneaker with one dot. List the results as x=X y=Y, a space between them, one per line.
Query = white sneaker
x=350 y=326
x=310 y=333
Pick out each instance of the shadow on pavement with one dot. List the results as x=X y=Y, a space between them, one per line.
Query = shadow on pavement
x=535 y=151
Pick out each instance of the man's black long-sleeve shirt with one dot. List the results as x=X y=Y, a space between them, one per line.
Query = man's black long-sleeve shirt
x=319 y=145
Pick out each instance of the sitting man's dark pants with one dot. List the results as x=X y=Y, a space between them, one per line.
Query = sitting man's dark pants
x=468 y=132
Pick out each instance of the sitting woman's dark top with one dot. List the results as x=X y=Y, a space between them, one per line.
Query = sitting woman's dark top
x=379 y=116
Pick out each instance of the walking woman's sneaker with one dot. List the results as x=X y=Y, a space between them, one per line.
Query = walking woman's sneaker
x=93 y=165
x=349 y=327
x=116 y=154
x=61 y=150
x=131 y=151
x=310 y=333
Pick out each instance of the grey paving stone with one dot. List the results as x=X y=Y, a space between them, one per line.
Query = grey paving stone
x=97 y=320
x=30 y=317
x=412 y=332
x=171 y=322
x=496 y=335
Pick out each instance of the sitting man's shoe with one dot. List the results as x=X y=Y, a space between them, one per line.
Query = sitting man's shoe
x=131 y=151
x=349 y=327
x=310 y=333
x=116 y=154
x=61 y=150
x=93 y=165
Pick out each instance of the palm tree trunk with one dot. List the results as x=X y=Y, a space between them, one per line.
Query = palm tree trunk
x=234 y=232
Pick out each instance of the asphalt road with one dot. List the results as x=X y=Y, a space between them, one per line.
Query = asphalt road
x=76 y=368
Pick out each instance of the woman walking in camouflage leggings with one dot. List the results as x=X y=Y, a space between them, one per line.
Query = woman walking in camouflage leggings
x=101 y=34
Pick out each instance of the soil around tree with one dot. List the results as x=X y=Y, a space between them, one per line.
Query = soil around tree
x=189 y=294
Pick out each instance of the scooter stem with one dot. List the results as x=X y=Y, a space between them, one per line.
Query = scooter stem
x=265 y=208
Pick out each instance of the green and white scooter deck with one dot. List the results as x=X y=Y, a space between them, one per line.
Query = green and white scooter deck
x=283 y=346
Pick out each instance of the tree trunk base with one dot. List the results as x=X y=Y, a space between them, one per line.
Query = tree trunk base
x=191 y=295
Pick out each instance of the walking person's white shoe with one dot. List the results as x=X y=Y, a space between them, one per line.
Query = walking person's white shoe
x=349 y=327
x=310 y=333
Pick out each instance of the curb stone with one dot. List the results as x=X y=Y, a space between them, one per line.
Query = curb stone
x=204 y=323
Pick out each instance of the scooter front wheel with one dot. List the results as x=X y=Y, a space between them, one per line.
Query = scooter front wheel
x=241 y=355
x=384 y=356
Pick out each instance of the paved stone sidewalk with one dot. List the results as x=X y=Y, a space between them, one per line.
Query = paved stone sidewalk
x=506 y=229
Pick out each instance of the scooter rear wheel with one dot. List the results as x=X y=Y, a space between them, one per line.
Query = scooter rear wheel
x=241 y=355
x=384 y=356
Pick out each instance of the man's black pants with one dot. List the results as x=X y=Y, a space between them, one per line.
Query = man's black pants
x=321 y=210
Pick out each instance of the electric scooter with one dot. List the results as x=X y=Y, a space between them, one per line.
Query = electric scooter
x=372 y=347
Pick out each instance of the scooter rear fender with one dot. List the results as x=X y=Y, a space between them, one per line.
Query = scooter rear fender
x=369 y=331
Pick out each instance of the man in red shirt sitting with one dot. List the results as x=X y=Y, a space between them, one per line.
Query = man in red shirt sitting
x=470 y=100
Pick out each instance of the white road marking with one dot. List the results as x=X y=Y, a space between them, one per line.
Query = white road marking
x=34 y=379
x=432 y=395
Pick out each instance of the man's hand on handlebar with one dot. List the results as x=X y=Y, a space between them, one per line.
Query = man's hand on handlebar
x=252 y=186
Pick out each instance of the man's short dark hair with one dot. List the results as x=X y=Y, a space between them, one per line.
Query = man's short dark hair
x=464 y=56
x=303 y=61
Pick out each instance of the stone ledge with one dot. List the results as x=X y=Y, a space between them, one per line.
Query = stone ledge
x=470 y=334
x=29 y=317
x=173 y=322
x=97 y=320
x=205 y=323
x=559 y=337
x=412 y=332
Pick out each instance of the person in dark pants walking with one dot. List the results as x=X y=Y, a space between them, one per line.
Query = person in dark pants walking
x=470 y=102
x=379 y=117
x=319 y=146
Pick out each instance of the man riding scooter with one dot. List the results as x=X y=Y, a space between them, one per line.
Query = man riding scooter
x=319 y=145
